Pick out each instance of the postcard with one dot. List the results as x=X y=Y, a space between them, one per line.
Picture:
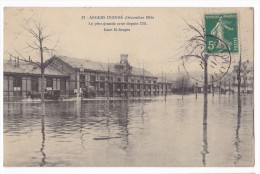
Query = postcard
x=128 y=87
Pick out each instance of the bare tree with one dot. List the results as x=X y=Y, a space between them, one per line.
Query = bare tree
x=194 y=48
x=227 y=82
x=242 y=69
x=183 y=83
x=212 y=86
x=37 y=41
x=195 y=52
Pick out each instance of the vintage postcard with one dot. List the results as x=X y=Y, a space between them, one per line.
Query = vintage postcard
x=128 y=87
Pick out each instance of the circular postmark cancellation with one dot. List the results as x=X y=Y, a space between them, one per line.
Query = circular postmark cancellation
x=218 y=62
x=215 y=49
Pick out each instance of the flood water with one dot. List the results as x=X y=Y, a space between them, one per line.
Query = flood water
x=131 y=133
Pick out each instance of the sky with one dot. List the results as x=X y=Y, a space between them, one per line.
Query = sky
x=156 y=46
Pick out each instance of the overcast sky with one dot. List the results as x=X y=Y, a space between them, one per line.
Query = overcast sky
x=156 y=45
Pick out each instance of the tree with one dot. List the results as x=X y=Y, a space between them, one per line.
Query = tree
x=194 y=48
x=38 y=38
x=195 y=53
x=225 y=83
x=182 y=83
x=242 y=69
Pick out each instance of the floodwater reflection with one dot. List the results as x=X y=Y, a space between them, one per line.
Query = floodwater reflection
x=151 y=132
x=237 y=156
x=43 y=142
x=237 y=137
x=205 y=136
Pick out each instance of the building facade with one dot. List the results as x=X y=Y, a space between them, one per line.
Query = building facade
x=69 y=75
x=107 y=79
x=23 y=78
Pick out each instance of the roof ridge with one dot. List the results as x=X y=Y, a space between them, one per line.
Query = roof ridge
x=98 y=65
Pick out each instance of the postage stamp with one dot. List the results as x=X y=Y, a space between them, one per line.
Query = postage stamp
x=224 y=28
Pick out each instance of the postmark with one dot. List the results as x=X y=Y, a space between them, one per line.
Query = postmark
x=225 y=29
x=218 y=64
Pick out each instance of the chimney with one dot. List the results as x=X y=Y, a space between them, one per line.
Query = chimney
x=18 y=61
x=29 y=58
x=124 y=59
x=14 y=61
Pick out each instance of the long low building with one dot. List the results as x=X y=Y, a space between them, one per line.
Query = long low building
x=67 y=74
x=22 y=78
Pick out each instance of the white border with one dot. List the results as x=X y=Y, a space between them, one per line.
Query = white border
x=139 y=3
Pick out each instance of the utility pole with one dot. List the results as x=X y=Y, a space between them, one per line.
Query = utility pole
x=229 y=88
x=108 y=79
x=212 y=85
x=182 y=87
x=165 y=89
x=220 y=87
x=143 y=82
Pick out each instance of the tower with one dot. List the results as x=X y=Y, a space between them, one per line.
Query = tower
x=124 y=59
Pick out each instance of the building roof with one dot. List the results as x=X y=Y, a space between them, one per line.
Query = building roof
x=99 y=66
x=26 y=67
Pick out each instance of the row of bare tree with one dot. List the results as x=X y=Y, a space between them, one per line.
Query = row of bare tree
x=195 y=49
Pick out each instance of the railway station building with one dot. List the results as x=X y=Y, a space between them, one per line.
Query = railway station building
x=68 y=74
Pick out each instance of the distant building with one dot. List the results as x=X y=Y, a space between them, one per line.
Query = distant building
x=165 y=84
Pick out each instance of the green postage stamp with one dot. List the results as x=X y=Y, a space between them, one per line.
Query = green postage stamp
x=221 y=32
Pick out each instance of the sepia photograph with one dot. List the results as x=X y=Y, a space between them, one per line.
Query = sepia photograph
x=128 y=87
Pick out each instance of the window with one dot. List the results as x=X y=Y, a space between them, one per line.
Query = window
x=17 y=84
x=102 y=78
x=49 y=83
x=92 y=78
x=82 y=84
x=34 y=84
x=82 y=77
x=63 y=85
x=102 y=86
x=82 y=80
